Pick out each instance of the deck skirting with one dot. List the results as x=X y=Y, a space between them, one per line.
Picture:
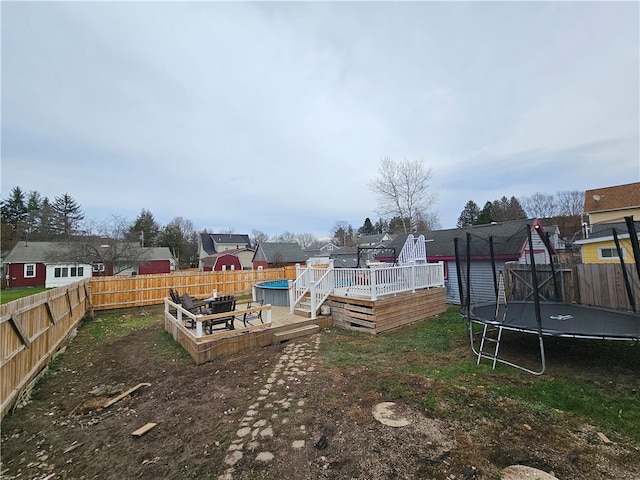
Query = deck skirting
x=387 y=313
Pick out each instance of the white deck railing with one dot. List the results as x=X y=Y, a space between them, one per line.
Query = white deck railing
x=367 y=283
x=181 y=316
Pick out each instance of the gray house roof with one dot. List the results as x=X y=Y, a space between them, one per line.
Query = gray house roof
x=33 y=252
x=210 y=240
x=53 y=252
x=509 y=238
x=273 y=252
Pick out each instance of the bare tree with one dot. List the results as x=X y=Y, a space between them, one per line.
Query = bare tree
x=403 y=191
x=570 y=203
x=305 y=239
x=107 y=244
x=287 y=237
x=539 y=205
x=258 y=237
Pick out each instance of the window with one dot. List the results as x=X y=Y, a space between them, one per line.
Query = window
x=80 y=271
x=57 y=272
x=98 y=267
x=65 y=271
x=29 y=270
x=611 y=253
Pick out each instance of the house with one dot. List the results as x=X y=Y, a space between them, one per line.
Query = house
x=215 y=243
x=237 y=259
x=600 y=245
x=276 y=254
x=612 y=204
x=373 y=240
x=49 y=264
x=510 y=241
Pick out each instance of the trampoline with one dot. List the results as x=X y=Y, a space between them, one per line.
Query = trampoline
x=560 y=320
x=538 y=316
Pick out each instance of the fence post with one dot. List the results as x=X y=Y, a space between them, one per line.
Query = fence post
x=292 y=296
x=373 y=284
x=312 y=291
x=412 y=277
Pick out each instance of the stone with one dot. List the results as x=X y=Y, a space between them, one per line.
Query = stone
x=523 y=472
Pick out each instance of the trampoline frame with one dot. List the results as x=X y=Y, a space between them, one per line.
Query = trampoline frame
x=500 y=325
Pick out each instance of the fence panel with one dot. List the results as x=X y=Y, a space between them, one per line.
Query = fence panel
x=32 y=330
x=140 y=290
x=603 y=285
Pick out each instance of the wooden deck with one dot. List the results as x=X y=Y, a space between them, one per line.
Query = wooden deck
x=346 y=312
x=282 y=327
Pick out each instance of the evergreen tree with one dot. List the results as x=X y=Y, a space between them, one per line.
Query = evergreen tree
x=46 y=230
x=14 y=209
x=34 y=204
x=145 y=229
x=485 y=214
x=367 y=228
x=469 y=215
x=67 y=215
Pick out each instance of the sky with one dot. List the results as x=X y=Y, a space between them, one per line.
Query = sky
x=275 y=116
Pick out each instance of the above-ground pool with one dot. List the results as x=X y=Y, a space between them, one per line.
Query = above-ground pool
x=275 y=292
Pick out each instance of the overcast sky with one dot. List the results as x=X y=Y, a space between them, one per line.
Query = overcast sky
x=275 y=116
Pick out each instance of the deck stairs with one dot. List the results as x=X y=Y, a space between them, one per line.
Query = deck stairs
x=291 y=333
x=303 y=308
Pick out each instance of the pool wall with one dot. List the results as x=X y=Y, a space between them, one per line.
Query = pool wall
x=275 y=292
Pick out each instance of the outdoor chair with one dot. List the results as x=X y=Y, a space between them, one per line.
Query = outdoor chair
x=222 y=304
x=193 y=306
x=247 y=316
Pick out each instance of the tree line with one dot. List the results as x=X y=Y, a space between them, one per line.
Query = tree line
x=539 y=205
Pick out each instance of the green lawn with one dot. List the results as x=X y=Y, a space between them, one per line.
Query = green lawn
x=7 y=296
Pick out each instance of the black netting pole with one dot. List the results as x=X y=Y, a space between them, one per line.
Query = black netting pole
x=458 y=270
x=469 y=271
x=547 y=244
x=625 y=275
x=633 y=238
x=534 y=282
x=493 y=267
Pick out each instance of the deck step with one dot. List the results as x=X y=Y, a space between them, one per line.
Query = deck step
x=295 y=333
x=301 y=311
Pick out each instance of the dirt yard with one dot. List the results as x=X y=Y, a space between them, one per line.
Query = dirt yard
x=284 y=412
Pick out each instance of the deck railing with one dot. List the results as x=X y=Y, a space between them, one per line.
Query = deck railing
x=368 y=283
x=181 y=316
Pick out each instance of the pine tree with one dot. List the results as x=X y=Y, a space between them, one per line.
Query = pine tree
x=66 y=215
x=14 y=209
x=145 y=229
x=469 y=215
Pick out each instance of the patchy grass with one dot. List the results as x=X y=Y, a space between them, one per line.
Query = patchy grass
x=12 y=294
x=166 y=348
x=397 y=364
x=110 y=325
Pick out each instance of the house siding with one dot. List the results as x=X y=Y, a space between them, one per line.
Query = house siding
x=52 y=281
x=590 y=252
x=154 y=267
x=230 y=262
x=482 y=288
x=16 y=278
x=613 y=216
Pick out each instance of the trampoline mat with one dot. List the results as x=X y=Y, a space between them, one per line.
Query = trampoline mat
x=561 y=319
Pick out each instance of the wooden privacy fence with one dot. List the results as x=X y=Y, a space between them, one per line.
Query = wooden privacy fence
x=32 y=330
x=600 y=285
x=604 y=286
x=140 y=290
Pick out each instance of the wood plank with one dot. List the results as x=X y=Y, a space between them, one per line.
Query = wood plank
x=144 y=429
x=124 y=394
